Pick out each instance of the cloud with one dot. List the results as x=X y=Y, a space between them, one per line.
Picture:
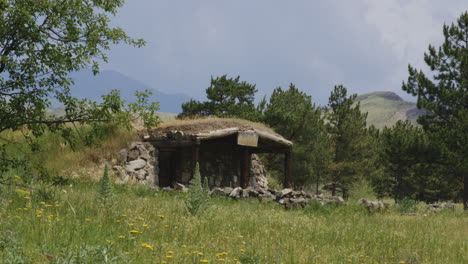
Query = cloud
x=364 y=44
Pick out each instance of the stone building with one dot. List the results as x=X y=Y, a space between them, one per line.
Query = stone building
x=225 y=149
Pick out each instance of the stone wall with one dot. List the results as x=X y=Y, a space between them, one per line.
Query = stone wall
x=137 y=164
x=219 y=163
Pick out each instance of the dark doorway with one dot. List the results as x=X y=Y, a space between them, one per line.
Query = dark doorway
x=167 y=168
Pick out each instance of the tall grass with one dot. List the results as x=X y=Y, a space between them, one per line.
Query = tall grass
x=84 y=153
x=153 y=227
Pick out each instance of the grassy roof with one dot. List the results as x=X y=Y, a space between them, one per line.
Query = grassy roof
x=205 y=125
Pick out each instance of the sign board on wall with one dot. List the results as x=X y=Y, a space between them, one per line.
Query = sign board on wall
x=247 y=138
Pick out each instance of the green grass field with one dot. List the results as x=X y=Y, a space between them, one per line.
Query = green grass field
x=66 y=224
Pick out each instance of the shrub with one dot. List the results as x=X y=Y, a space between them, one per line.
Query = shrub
x=198 y=197
x=407 y=205
x=105 y=194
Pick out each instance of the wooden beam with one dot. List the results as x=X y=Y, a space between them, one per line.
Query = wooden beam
x=288 y=177
x=245 y=166
x=274 y=138
x=171 y=143
x=217 y=133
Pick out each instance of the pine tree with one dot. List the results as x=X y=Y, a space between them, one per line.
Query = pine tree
x=198 y=197
x=106 y=193
x=227 y=97
x=291 y=113
x=445 y=98
x=347 y=127
x=399 y=154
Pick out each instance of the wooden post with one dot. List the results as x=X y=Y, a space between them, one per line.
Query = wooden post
x=288 y=177
x=245 y=168
x=195 y=156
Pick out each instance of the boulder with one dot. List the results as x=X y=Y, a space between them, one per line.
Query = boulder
x=133 y=154
x=218 y=191
x=236 y=193
x=181 y=188
x=136 y=165
x=286 y=192
x=372 y=205
x=140 y=175
x=123 y=155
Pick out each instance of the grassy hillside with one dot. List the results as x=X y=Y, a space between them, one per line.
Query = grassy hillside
x=386 y=108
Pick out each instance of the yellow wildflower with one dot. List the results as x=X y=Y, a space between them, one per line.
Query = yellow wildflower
x=204 y=261
x=147 y=246
x=121 y=237
x=170 y=252
x=134 y=232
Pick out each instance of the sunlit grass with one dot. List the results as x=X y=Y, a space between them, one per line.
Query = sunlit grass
x=144 y=226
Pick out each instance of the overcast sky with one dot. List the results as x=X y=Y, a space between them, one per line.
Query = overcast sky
x=364 y=44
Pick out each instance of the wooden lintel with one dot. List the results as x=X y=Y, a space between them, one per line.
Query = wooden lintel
x=172 y=143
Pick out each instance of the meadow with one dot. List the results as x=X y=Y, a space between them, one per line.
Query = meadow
x=67 y=224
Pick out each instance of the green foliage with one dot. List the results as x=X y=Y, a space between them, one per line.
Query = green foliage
x=227 y=97
x=105 y=194
x=292 y=114
x=91 y=254
x=347 y=128
x=445 y=97
x=198 y=198
x=42 y=42
x=14 y=251
x=407 y=205
x=399 y=154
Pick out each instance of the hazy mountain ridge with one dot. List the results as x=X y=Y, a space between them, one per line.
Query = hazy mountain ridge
x=92 y=87
x=386 y=108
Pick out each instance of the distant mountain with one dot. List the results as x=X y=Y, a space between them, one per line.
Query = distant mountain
x=386 y=108
x=92 y=87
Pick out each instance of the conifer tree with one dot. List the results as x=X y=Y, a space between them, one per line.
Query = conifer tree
x=198 y=197
x=347 y=128
x=445 y=98
x=227 y=97
x=106 y=193
x=291 y=113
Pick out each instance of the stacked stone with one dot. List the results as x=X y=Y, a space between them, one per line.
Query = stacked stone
x=440 y=206
x=138 y=164
x=372 y=206
x=287 y=197
x=258 y=173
